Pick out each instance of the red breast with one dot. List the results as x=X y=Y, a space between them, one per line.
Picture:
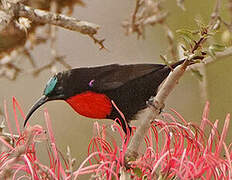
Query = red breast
x=91 y=104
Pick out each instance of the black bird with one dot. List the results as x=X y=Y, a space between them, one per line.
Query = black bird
x=92 y=91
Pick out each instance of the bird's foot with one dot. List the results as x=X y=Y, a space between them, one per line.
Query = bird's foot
x=152 y=102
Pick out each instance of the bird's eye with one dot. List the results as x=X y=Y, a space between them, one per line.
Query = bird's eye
x=50 y=85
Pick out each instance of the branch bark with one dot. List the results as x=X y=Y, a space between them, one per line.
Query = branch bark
x=45 y=17
x=14 y=10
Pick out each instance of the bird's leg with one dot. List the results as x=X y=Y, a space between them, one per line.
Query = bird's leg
x=121 y=120
x=151 y=102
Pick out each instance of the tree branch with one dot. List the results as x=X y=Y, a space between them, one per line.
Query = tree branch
x=215 y=13
x=45 y=17
x=219 y=55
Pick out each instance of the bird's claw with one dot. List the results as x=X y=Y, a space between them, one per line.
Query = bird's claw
x=151 y=102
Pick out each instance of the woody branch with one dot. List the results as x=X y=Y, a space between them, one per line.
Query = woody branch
x=13 y=10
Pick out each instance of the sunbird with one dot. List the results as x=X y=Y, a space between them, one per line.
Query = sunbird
x=103 y=92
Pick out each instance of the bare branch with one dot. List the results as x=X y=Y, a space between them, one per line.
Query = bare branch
x=230 y=8
x=146 y=12
x=180 y=3
x=171 y=43
x=15 y=10
x=215 y=13
x=45 y=17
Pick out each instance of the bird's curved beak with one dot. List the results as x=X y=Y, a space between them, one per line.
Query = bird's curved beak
x=39 y=103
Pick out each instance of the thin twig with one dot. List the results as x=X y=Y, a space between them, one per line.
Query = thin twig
x=215 y=14
x=230 y=9
x=216 y=10
x=170 y=37
x=133 y=19
x=53 y=32
x=27 y=53
x=180 y=3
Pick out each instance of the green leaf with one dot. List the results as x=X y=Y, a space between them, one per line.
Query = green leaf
x=211 y=52
x=200 y=23
x=217 y=47
x=138 y=172
x=186 y=34
x=164 y=59
x=197 y=74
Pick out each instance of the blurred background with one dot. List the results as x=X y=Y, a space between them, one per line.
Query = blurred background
x=76 y=131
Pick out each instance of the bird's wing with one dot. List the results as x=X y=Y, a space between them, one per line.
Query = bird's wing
x=118 y=75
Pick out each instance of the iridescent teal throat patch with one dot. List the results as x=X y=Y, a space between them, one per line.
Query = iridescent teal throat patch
x=50 y=85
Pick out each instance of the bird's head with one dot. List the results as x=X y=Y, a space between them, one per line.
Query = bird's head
x=54 y=90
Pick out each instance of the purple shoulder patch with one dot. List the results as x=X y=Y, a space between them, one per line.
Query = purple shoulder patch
x=91 y=83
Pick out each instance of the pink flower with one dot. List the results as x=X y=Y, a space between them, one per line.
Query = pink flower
x=173 y=148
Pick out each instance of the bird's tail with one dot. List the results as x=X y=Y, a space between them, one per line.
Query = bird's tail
x=164 y=72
